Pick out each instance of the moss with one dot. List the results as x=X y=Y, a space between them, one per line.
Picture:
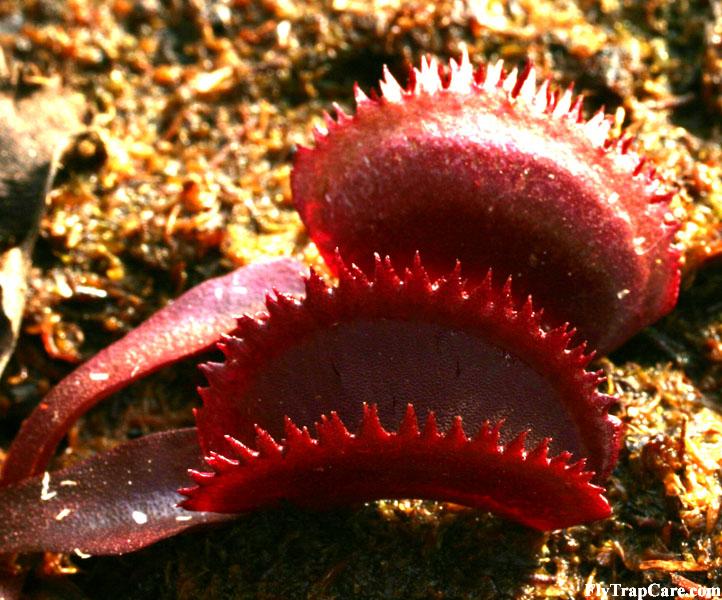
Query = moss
x=194 y=113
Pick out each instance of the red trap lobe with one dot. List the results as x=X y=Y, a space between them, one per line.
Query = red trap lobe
x=452 y=352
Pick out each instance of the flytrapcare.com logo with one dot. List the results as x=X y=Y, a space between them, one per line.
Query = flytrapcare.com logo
x=653 y=590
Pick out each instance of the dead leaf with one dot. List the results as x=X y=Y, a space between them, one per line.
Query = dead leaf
x=34 y=126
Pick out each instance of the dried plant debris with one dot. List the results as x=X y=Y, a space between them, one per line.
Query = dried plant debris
x=34 y=125
x=196 y=108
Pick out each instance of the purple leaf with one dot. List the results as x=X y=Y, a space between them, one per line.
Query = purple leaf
x=115 y=502
x=190 y=324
